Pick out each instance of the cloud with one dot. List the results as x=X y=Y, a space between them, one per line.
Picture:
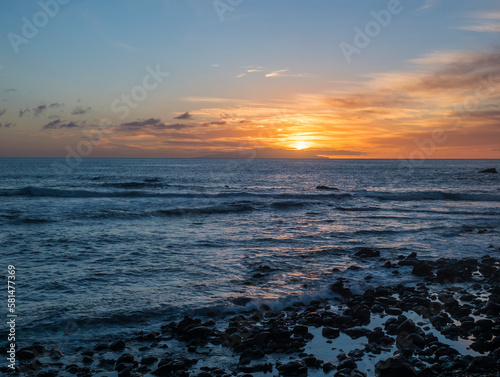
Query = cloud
x=277 y=73
x=10 y=90
x=175 y=126
x=282 y=73
x=219 y=123
x=428 y=4
x=2 y=112
x=142 y=123
x=250 y=69
x=39 y=110
x=56 y=105
x=80 y=110
x=22 y=112
x=58 y=124
x=484 y=22
x=6 y=125
x=153 y=124
x=184 y=116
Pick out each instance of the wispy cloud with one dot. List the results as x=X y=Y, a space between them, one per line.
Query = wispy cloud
x=250 y=69
x=2 y=112
x=153 y=124
x=284 y=73
x=39 y=110
x=184 y=116
x=277 y=73
x=23 y=111
x=428 y=4
x=488 y=22
x=6 y=125
x=58 y=124
x=80 y=110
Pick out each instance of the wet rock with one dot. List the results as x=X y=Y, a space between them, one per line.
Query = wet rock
x=25 y=354
x=485 y=324
x=422 y=269
x=339 y=288
x=300 y=330
x=396 y=366
x=293 y=368
x=321 y=187
x=100 y=347
x=251 y=354
x=493 y=305
x=357 y=332
x=167 y=366
x=148 y=360
x=489 y=171
x=407 y=326
x=328 y=367
x=312 y=362
x=366 y=252
x=347 y=364
x=125 y=358
x=87 y=360
x=204 y=374
x=55 y=354
x=198 y=332
x=119 y=345
x=358 y=373
x=393 y=311
x=447 y=275
x=107 y=364
x=482 y=364
x=417 y=340
x=375 y=335
x=330 y=332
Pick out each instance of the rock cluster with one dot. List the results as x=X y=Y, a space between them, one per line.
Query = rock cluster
x=276 y=341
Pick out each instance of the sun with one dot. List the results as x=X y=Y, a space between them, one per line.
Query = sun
x=301 y=145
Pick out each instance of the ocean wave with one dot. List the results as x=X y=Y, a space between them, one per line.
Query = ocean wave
x=134 y=185
x=358 y=209
x=208 y=210
x=432 y=195
x=293 y=198
x=83 y=193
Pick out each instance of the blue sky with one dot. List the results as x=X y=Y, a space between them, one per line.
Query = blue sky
x=266 y=62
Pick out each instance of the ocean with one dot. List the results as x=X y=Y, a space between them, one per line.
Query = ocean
x=112 y=246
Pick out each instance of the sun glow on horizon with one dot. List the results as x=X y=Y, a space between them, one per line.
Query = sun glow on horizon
x=301 y=145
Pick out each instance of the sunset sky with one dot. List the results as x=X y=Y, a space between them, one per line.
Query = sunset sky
x=240 y=78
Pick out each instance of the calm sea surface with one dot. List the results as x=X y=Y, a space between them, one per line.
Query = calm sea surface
x=121 y=244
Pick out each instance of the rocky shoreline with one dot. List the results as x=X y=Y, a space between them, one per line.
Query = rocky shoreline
x=447 y=324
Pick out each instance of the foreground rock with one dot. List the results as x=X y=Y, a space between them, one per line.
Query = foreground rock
x=455 y=299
